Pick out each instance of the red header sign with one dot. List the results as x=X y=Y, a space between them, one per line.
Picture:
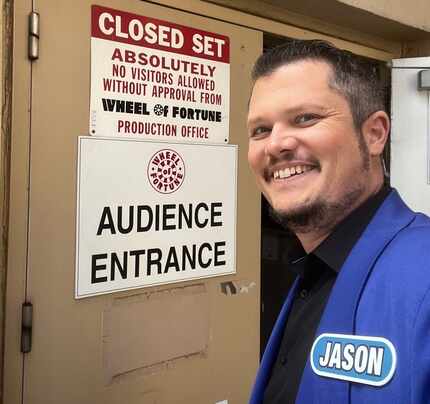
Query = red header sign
x=120 y=26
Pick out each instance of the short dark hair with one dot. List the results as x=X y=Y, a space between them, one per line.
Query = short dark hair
x=354 y=77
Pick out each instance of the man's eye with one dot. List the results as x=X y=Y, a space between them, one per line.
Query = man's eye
x=305 y=118
x=259 y=131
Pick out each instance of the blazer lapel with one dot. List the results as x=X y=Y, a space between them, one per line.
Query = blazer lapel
x=272 y=348
x=339 y=314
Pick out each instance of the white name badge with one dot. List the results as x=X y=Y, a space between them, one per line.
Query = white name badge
x=359 y=359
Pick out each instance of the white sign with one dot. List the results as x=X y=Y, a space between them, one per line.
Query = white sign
x=151 y=213
x=158 y=80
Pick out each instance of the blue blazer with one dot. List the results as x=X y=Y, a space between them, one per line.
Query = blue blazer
x=382 y=290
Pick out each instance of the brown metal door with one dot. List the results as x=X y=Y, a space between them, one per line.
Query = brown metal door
x=101 y=349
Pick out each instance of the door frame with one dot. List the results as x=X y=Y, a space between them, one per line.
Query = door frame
x=18 y=202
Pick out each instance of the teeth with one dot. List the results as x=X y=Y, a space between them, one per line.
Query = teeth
x=284 y=173
x=289 y=171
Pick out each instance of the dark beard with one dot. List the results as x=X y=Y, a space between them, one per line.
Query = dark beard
x=317 y=216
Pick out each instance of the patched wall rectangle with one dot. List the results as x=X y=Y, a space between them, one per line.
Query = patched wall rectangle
x=144 y=330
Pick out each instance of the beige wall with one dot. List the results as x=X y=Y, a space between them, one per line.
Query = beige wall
x=399 y=28
x=412 y=13
x=415 y=13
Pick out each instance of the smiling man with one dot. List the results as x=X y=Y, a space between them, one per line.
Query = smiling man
x=354 y=327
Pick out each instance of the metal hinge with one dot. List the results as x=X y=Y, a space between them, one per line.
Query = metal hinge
x=26 y=327
x=33 y=35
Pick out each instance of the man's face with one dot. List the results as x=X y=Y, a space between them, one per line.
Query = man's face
x=303 y=147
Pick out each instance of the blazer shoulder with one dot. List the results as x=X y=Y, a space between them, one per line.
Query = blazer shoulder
x=408 y=253
x=416 y=233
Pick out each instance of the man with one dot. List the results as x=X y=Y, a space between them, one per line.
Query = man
x=355 y=327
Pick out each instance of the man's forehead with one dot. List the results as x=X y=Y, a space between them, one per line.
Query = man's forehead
x=299 y=85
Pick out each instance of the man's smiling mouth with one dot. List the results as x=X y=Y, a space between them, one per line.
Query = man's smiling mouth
x=291 y=171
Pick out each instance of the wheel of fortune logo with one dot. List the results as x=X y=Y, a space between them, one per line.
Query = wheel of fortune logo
x=166 y=171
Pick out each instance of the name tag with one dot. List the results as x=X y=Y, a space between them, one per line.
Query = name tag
x=360 y=359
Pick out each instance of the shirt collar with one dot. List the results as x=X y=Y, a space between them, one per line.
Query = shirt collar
x=336 y=247
x=334 y=250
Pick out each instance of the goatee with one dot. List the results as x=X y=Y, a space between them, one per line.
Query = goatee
x=318 y=215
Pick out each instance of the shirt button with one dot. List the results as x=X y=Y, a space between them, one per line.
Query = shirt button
x=284 y=361
x=303 y=293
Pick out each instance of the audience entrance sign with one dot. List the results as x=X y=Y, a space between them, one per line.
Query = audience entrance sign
x=152 y=213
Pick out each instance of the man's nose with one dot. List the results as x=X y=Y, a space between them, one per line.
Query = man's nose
x=281 y=140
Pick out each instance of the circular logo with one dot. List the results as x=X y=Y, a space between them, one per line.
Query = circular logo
x=158 y=109
x=166 y=171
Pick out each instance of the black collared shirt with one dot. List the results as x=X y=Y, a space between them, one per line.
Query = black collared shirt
x=317 y=272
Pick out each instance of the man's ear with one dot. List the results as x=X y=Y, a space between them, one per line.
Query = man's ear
x=375 y=131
